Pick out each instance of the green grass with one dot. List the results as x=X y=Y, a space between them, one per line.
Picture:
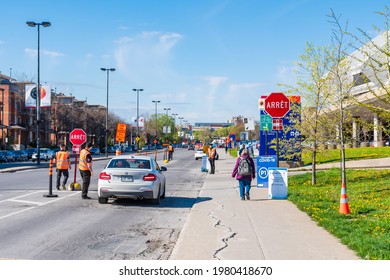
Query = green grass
x=327 y=156
x=366 y=230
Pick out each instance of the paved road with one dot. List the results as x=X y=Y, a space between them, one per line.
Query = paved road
x=67 y=227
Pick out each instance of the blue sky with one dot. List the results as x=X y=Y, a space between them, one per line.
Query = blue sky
x=207 y=60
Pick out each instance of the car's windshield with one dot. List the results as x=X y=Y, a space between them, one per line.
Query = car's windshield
x=129 y=163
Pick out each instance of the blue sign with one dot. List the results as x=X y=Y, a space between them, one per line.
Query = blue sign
x=232 y=141
x=263 y=164
x=289 y=134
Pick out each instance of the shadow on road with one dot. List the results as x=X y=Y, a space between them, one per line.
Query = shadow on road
x=167 y=202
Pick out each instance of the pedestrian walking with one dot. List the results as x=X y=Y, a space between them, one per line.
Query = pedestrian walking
x=244 y=172
x=85 y=167
x=63 y=166
x=212 y=156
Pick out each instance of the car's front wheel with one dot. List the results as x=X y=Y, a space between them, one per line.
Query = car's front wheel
x=103 y=200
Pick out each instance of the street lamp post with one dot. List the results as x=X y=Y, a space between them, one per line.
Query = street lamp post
x=137 y=90
x=38 y=89
x=156 y=101
x=106 y=135
x=166 y=111
x=174 y=123
x=181 y=128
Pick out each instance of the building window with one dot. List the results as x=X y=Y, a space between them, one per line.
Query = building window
x=360 y=79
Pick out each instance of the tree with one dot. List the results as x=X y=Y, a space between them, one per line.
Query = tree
x=340 y=84
x=312 y=86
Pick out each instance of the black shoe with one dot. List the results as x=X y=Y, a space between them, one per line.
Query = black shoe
x=85 y=197
x=58 y=188
x=247 y=196
x=242 y=198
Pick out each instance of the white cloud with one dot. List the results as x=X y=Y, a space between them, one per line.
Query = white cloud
x=145 y=55
x=237 y=88
x=122 y=27
x=34 y=53
x=214 y=83
x=285 y=73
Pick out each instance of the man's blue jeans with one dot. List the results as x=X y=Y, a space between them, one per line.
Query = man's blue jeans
x=245 y=186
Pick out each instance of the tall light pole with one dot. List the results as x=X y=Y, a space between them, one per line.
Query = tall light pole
x=108 y=75
x=181 y=128
x=156 y=101
x=174 y=123
x=166 y=111
x=38 y=88
x=2 y=114
x=138 y=90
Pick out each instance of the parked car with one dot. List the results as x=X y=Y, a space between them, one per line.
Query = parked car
x=191 y=147
x=199 y=154
x=45 y=154
x=3 y=156
x=7 y=156
x=111 y=150
x=145 y=148
x=30 y=151
x=134 y=177
x=20 y=155
x=128 y=149
x=95 y=151
x=56 y=149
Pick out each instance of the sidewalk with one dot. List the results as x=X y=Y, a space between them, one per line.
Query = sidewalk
x=221 y=226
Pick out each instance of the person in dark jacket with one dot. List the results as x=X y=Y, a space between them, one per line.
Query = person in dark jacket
x=244 y=181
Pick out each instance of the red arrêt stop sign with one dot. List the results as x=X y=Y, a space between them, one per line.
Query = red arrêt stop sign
x=77 y=136
x=277 y=105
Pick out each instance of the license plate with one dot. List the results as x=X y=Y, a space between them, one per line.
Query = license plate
x=127 y=178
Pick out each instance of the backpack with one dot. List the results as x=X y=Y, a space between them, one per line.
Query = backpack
x=244 y=167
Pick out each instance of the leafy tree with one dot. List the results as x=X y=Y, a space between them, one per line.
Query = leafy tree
x=312 y=86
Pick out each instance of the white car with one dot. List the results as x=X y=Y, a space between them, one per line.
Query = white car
x=134 y=177
x=45 y=154
x=199 y=154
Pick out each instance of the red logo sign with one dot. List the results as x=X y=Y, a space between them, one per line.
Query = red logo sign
x=78 y=136
x=277 y=124
x=277 y=105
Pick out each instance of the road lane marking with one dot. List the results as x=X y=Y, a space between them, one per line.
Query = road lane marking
x=33 y=207
x=25 y=201
x=21 y=196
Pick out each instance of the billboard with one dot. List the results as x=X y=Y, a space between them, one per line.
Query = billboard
x=31 y=96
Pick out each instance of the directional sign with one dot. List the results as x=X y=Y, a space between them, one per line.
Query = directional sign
x=265 y=122
x=277 y=105
x=78 y=137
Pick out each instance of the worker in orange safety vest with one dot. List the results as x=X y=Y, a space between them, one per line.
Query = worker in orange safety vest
x=85 y=167
x=63 y=165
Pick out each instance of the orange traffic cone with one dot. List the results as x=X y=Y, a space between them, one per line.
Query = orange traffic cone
x=344 y=207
